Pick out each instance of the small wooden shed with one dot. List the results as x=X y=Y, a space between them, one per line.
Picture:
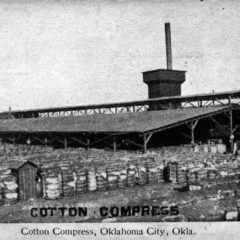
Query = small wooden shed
x=28 y=175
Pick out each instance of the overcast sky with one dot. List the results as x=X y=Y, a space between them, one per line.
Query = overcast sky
x=57 y=53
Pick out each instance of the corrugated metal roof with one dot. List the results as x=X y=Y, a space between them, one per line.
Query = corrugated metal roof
x=112 y=123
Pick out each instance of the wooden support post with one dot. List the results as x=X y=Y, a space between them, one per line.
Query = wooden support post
x=229 y=100
x=45 y=141
x=146 y=138
x=144 y=143
x=192 y=136
x=65 y=143
x=88 y=144
x=192 y=127
x=114 y=145
x=231 y=131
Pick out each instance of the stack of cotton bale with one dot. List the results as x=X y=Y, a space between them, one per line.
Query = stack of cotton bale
x=155 y=172
x=5 y=171
x=192 y=175
x=194 y=186
x=52 y=183
x=1 y=194
x=179 y=159
x=232 y=169
x=161 y=166
x=122 y=177
x=10 y=189
x=2 y=149
x=142 y=170
x=238 y=161
x=112 y=176
x=81 y=183
x=102 y=178
x=223 y=170
x=69 y=179
x=228 y=169
x=212 y=173
x=131 y=175
x=92 y=179
x=173 y=171
x=211 y=148
x=202 y=173
x=199 y=170
x=8 y=184
x=181 y=172
x=238 y=165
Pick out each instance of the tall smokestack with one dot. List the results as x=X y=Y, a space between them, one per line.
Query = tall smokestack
x=168 y=45
x=164 y=82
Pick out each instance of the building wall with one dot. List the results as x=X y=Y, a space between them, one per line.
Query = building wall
x=161 y=89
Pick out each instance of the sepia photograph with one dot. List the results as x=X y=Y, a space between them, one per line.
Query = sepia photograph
x=119 y=112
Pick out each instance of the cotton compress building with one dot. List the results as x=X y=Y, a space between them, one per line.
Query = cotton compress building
x=165 y=118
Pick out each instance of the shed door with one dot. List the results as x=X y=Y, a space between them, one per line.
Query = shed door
x=27 y=182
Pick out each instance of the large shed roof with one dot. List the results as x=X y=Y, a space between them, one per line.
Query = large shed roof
x=141 y=122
